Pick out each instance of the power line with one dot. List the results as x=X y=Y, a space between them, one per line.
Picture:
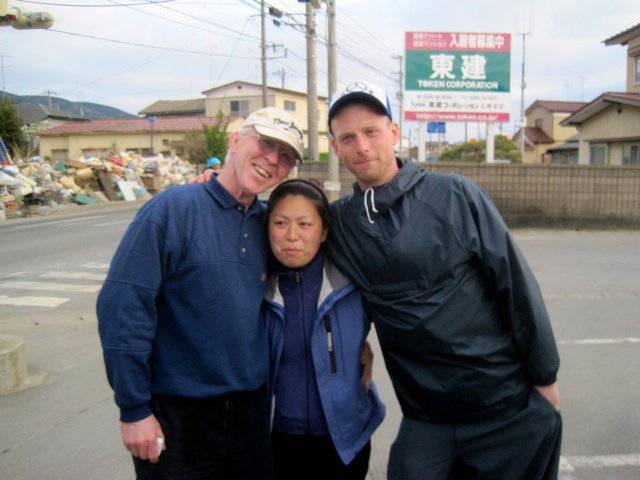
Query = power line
x=93 y=5
x=178 y=50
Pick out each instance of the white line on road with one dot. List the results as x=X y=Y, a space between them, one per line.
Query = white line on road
x=108 y=224
x=51 y=302
x=568 y=464
x=73 y=221
x=589 y=295
x=74 y=275
x=104 y=266
x=56 y=223
x=56 y=287
x=600 y=341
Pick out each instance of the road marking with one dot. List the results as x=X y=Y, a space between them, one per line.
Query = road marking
x=600 y=341
x=109 y=224
x=73 y=221
x=55 y=287
x=51 y=302
x=55 y=223
x=75 y=275
x=589 y=295
x=103 y=266
x=568 y=464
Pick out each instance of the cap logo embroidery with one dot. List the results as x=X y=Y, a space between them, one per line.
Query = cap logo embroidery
x=287 y=125
x=357 y=87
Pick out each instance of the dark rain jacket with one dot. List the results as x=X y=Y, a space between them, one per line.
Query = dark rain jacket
x=459 y=315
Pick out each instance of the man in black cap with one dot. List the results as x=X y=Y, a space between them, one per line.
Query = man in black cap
x=463 y=327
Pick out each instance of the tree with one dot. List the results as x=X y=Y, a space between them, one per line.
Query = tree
x=215 y=138
x=211 y=142
x=10 y=126
x=507 y=149
x=475 y=152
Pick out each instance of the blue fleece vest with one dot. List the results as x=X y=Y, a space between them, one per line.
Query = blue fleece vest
x=298 y=409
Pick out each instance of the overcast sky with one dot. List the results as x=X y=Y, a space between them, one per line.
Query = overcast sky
x=130 y=53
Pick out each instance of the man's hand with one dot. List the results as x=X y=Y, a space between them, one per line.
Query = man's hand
x=204 y=177
x=366 y=359
x=551 y=393
x=141 y=437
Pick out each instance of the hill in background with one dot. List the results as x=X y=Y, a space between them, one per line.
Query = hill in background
x=92 y=111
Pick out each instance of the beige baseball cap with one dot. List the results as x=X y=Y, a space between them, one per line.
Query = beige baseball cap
x=279 y=126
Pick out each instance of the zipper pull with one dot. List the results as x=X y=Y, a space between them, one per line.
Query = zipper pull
x=332 y=354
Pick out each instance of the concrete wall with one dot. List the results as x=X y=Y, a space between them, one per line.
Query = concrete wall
x=542 y=195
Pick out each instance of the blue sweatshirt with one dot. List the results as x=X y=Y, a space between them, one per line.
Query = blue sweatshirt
x=179 y=311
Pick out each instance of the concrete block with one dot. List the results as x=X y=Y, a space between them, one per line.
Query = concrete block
x=13 y=363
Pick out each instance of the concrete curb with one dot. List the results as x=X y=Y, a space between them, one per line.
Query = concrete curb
x=13 y=363
x=72 y=209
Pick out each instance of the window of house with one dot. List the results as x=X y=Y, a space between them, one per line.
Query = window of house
x=95 y=152
x=637 y=79
x=539 y=122
x=631 y=155
x=239 y=108
x=290 y=105
x=597 y=154
x=61 y=155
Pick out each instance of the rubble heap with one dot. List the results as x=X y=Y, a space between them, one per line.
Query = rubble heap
x=36 y=186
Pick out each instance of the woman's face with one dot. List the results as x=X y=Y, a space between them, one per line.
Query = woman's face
x=295 y=231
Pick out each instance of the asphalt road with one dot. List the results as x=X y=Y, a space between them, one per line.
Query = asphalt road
x=64 y=425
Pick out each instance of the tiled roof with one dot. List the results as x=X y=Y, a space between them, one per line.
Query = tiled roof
x=240 y=83
x=36 y=112
x=623 y=37
x=130 y=125
x=601 y=103
x=557 y=106
x=537 y=135
x=194 y=106
x=570 y=144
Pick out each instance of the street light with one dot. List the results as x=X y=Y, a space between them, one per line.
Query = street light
x=151 y=121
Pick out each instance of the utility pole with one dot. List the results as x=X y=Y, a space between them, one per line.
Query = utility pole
x=263 y=53
x=523 y=85
x=48 y=93
x=332 y=186
x=400 y=59
x=312 y=91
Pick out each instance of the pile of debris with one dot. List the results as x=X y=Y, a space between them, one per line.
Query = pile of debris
x=37 y=186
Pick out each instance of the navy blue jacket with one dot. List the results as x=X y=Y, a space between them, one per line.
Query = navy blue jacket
x=459 y=315
x=351 y=412
x=179 y=311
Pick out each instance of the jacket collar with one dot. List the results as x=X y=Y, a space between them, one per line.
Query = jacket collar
x=226 y=200
x=384 y=196
x=332 y=281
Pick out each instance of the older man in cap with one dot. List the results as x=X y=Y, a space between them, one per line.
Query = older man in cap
x=178 y=315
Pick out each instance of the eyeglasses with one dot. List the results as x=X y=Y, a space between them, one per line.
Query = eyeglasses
x=268 y=146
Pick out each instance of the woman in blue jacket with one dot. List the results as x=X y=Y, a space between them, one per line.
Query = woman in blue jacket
x=323 y=415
